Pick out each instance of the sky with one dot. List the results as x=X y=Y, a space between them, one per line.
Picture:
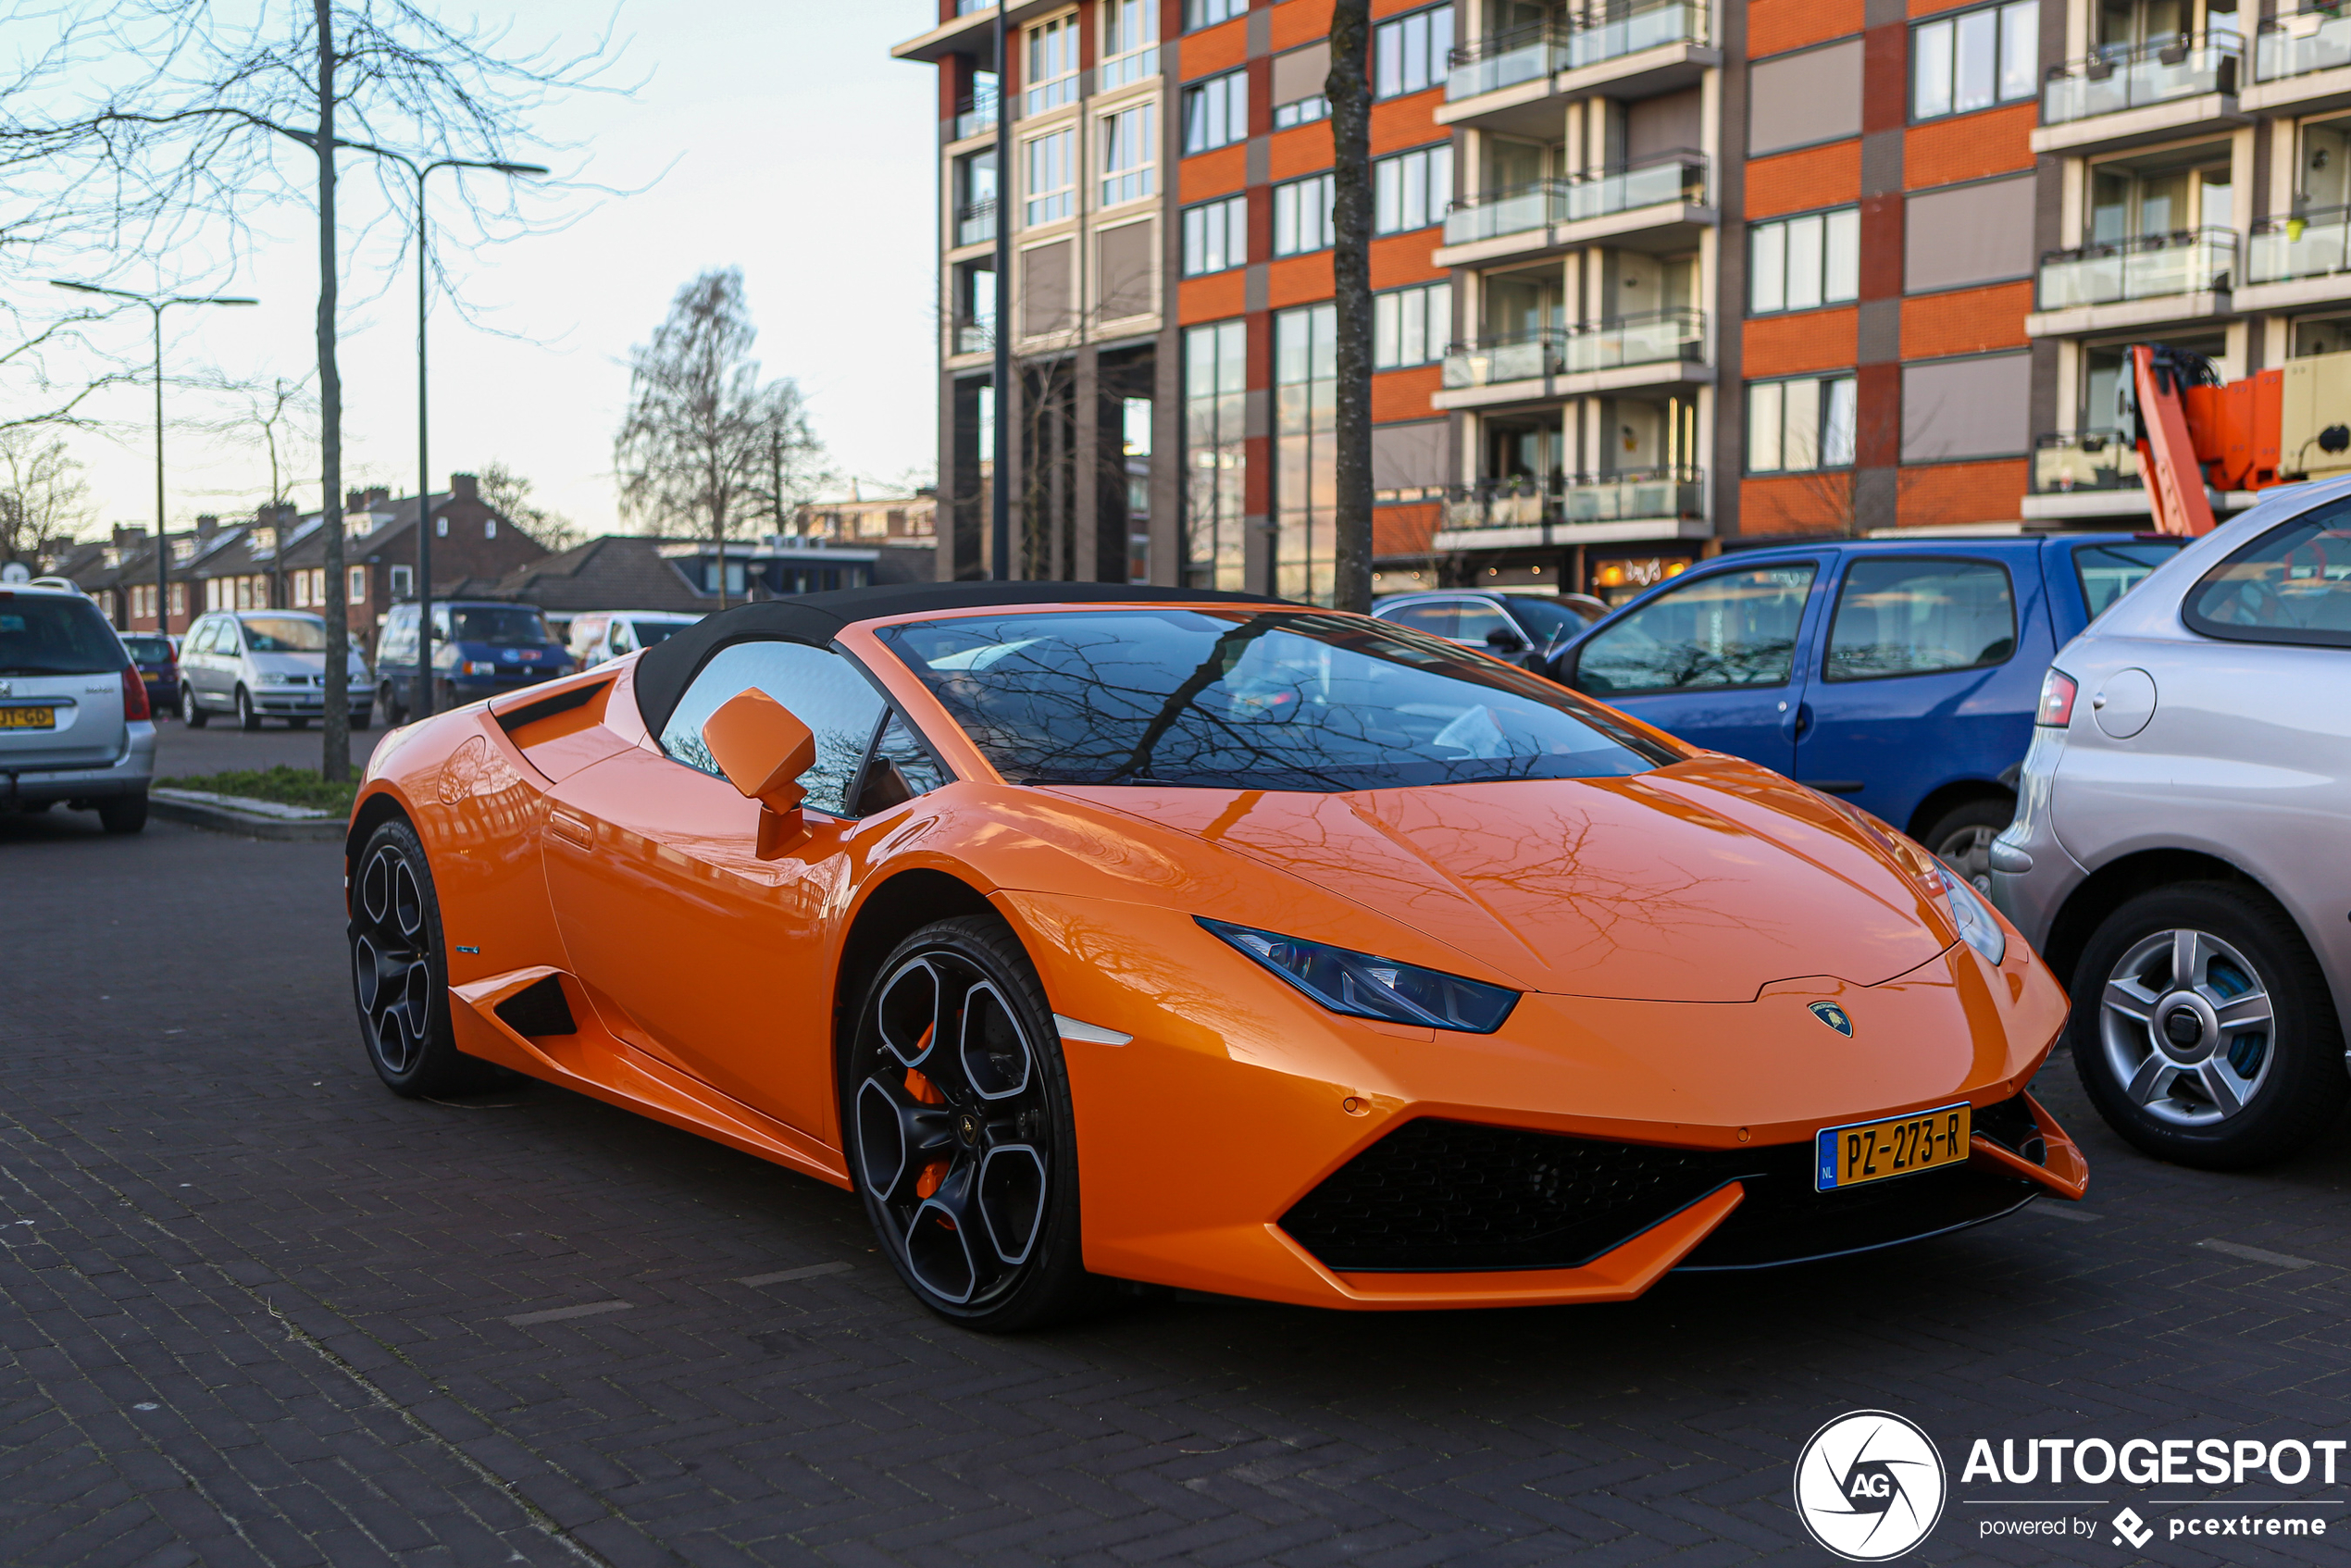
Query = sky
x=778 y=136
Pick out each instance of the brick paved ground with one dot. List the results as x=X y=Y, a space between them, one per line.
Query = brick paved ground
x=256 y=1310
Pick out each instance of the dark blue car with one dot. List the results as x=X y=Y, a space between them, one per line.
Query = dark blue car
x=1901 y=675
x=479 y=648
x=159 y=666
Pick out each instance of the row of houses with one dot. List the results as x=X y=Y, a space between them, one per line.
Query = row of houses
x=277 y=561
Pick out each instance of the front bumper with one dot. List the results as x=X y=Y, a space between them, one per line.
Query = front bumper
x=129 y=774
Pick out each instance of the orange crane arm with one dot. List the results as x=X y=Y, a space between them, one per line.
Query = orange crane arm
x=2167 y=451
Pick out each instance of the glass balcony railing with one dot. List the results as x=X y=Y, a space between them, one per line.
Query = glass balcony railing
x=1670 y=177
x=2306 y=244
x=1577 y=498
x=1659 y=337
x=2132 y=78
x=2195 y=261
x=2068 y=461
x=975 y=224
x=1530 y=54
x=975 y=114
x=2298 y=46
x=975 y=337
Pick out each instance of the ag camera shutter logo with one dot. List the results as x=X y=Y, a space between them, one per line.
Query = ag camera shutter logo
x=1869 y=1486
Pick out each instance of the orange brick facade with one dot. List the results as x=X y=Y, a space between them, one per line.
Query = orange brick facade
x=1816 y=177
x=1811 y=340
x=1969 y=146
x=1965 y=320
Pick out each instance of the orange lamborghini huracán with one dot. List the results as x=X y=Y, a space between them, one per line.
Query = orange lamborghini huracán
x=1108 y=933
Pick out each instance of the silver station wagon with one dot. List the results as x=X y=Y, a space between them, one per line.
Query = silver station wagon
x=263 y=664
x=74 y=724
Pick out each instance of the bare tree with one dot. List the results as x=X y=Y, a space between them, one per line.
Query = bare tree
x=704 y=440
x=43 y=494
x=1348 y=88
x=508 y=494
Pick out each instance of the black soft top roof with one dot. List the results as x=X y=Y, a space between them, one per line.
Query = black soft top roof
x=665 y=670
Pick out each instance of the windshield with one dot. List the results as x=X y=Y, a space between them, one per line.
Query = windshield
x=649 y=632
x=1550 y=619
x=2109 y=571
x=44 y=636
x=502 y=626
x=1285 y=699
x=149 y=649
x=285 y=634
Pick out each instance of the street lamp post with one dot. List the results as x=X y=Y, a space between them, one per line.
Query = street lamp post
x=155 y=307
x=423 y=692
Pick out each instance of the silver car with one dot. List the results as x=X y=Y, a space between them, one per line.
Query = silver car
x=2182 y=845
x=264 y=663
x=74 y=724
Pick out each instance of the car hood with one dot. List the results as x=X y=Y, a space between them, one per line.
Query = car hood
x=1704 y=881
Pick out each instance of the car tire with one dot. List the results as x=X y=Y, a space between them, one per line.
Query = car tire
x=971 y=1183
x=1964 y=836
x=192 y=713
x=124 y=814
x=394 y=714
x=400 y=975
x=2264 y=1074
x=248 y=718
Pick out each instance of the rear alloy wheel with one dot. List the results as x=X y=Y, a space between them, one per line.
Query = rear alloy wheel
x=399 y=977
x=248 y=718
x=1963 y=838
x=192 y=713
x=960 y=1132
x=2203 y=1029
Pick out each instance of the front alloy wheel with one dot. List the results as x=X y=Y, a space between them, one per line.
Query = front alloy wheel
x=961 y=1139
x=2203 y=1031
x=398 y=976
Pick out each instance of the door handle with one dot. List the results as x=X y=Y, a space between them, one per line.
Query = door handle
x=572 y=830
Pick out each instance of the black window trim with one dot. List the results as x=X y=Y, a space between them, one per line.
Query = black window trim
x=1844 y=576
x=2291 y=637
x=1910 y=115
x=1573 y=661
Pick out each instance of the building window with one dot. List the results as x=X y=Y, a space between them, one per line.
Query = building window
x=1412 y=190
x=490 y=528
x=1303 y=112
x=1410 y=52
x=179 y=598
x=1305 y=461
x=1801 y=263
x=1302 y=214
x=1208 y=13
x=1411 y=326
x=1130 y=42
x=1052 y=64
x=1216 y=419
x=1053 y=178
x=1797 y=426
x=1216 y=112
x=403 y=582
x=356 y=590
x=441 y=527
x=1215 y=236
x=1129 y=144
x=975 y=197
x=1975 y=59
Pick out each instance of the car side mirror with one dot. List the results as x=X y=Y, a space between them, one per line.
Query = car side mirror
x=763 y=749
x=1502 y=639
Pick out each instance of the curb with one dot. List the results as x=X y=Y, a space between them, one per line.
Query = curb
x=250 y=824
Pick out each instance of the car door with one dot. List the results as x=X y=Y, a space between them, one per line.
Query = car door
x=1716 y=658
x=203 y=665
x=1928 y=676
x=718 y=957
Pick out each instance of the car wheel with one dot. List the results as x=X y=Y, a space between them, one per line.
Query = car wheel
x=124 y=814
x=960 y=1130
x=399 y=976
x=1964 y=836
x=394 y=714
x=2203 y=1029
x=246 y=718
x=191 y=712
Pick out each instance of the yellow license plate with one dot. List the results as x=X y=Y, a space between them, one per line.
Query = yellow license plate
x=1898 y=1146
x=28 y=718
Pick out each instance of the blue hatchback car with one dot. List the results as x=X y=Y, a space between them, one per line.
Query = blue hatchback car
x=1900 y=674
x=479 y=648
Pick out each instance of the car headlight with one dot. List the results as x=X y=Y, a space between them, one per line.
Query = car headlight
x=271 y=677
x=1364 y=986
x=478 y=666
x=1979 y=928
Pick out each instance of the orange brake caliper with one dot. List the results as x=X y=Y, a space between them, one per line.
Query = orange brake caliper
x=926 y=1093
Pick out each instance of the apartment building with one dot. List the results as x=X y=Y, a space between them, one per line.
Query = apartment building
x=2199 y=193
x=1651 y=279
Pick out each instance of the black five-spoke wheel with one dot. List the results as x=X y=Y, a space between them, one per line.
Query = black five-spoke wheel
x=960 y=1137
x=397 y=974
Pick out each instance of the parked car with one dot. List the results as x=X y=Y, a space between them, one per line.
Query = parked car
x=74 y=721
x=2183 y=854
x=1525 y=628
x=264 y=663
x=1898 y=674
x=479 y=648
x=605 y=635
x=158 y=665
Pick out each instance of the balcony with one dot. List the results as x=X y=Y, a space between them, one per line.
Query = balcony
x=2093 y=476
x=2126 y=96
x=2300 y=63
x=974 y=116
x=1661 y=198
x=2151 y=281
x=975 y=224
x=1663 y=348
x=1502 y=83
x=1580 y=508
x=2304 y=258
x=974 y=337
